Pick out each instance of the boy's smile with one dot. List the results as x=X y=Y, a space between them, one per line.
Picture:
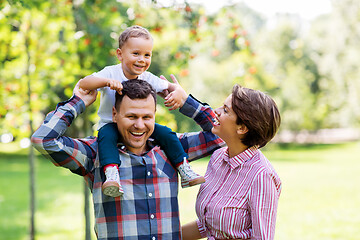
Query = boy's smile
x=135 y=56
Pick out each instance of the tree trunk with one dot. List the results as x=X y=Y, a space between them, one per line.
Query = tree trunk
x=31 y=150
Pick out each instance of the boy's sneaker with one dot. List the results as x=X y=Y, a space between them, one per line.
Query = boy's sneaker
x=112 y=186
x=188 y=176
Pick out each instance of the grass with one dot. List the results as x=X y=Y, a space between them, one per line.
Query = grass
x=320 y=196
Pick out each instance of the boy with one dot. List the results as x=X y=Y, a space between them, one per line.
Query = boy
x=134 y=53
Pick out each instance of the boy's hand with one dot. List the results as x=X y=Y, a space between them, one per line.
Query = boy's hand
x=87 y=96
x=114 y=85
x=177 y=96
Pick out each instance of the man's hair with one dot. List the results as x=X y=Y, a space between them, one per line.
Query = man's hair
x=134 y=89
x=133 y=32
x=258 y=112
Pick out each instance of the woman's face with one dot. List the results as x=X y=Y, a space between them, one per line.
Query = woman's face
x=226 y=127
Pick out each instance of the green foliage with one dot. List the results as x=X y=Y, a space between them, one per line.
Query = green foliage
x=47 y=46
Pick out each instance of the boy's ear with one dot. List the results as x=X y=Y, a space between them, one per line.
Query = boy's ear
x=242 y=129
x=119 y=54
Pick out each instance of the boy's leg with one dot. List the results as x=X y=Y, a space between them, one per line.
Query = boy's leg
x=170 y=143
x=109 y=159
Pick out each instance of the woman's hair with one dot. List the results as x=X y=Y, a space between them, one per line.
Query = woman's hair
x=134 y=89
x=258 y=112
x=133 y=32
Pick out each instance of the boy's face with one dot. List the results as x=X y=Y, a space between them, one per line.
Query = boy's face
x=135 y=56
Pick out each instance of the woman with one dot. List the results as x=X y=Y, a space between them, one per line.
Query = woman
x=240 y=195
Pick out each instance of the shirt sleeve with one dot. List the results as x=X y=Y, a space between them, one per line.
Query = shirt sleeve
x=63 y=151
x=263 y=203
x=157 y=83
x=200 y=112
x=199 y=144
x=201 y=228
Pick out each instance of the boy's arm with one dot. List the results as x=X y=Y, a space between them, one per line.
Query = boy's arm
x=91 y=82
x=48 y=139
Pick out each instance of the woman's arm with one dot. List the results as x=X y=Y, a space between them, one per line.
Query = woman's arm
x=190 y=231
x=264 y=197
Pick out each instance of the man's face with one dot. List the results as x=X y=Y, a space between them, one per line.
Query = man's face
x=135 y=56
x=135 y=121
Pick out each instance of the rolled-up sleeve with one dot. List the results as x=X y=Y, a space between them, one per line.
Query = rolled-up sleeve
x=64 y=151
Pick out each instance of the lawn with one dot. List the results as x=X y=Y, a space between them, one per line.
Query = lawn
x=320 y=196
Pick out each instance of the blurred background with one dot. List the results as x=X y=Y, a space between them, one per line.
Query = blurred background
x=305 y=54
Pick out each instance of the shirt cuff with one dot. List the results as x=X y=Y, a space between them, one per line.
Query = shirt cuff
x=190 y=106
x=201 y=228
x=75 y=104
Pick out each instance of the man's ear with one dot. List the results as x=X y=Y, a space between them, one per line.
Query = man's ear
x=242 y=129
x=114 y=113
x=119 y=54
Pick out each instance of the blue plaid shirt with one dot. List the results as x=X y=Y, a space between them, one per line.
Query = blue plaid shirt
x=149 y=206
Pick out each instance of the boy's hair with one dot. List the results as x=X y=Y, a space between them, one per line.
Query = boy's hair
x=258 y=112
x=134 y=89
x=133 y=32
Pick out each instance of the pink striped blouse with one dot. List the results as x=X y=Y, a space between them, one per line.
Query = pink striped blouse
x=239 y=198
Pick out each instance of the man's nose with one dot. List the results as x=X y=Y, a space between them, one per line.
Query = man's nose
x=139 y=123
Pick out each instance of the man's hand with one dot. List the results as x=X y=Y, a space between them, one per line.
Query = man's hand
x=115 y=85
x=87 y=96
x=177 y=96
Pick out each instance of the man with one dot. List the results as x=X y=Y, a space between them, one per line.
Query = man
x=149 y=207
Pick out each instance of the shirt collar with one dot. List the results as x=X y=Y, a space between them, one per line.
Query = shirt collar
x=241 y=158
x=150 y=144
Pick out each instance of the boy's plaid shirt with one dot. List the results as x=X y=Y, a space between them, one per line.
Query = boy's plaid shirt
x=149 y=206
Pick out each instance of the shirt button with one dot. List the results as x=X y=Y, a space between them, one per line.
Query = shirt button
x=153 y=238
x=152 y=216
x=150 y=194
x=149 y=173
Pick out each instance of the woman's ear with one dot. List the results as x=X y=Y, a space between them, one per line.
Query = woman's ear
x=242 y=129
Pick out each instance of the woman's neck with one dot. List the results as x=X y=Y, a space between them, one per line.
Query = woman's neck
x=235 y=148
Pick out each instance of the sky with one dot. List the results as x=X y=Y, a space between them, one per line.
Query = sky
x=307 y=9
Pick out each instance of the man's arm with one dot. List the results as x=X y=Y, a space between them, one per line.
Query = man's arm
x=199 y=144
x=63 y=151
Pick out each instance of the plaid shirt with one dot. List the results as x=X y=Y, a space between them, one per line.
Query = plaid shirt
x=149 y=207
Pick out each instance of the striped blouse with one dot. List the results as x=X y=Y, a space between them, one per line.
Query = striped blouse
x=239 y=198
